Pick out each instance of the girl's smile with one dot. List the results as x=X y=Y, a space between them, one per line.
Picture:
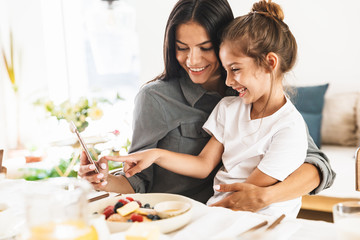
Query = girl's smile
x=251 y=81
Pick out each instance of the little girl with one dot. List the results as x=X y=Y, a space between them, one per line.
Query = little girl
x=259 y=135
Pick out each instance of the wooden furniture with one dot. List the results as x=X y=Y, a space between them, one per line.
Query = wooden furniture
x=357 y=171
x=347 y=184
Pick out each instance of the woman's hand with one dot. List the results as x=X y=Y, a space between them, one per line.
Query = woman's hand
x=87 y=171
x=245 y=197
x=136 y=162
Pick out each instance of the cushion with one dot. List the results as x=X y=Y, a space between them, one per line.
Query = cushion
x=358 y=119
x=339 y=119
x=309 y=101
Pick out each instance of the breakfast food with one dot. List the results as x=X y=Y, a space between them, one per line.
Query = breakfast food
x=130 y=210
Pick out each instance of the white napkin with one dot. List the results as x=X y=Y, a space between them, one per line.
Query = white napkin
x=221 y=223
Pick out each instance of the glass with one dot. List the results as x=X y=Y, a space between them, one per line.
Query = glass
x=347 y=220
x=57 y=209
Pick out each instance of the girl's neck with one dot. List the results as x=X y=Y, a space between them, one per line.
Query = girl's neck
x=270 y=106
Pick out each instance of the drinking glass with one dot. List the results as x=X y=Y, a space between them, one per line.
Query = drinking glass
x=347 y=220
x=57 y=209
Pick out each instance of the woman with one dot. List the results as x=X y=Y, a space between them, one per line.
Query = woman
x=170 y=111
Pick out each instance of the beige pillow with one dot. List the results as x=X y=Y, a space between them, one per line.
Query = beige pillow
x=358 y=120
x=339 y=119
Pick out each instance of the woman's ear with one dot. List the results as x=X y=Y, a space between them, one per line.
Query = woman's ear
x=273 y=60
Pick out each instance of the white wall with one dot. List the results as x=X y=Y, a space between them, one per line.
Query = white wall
x=327 y=32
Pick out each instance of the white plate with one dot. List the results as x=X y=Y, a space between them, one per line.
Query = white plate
x=165 y=225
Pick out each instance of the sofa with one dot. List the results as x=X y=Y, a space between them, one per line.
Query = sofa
x=339 y=138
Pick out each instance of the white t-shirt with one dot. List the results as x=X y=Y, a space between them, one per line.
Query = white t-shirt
x=276 y=145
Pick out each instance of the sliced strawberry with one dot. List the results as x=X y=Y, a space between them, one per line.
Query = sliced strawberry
x=130 y=199
x=124 y=201
x=138 y=202
x=108 y=211
x=136 y=218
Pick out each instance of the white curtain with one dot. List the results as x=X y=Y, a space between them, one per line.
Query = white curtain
x=44 y=54
x=49 y=36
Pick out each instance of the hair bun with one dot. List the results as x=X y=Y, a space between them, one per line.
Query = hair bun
x=267 y=6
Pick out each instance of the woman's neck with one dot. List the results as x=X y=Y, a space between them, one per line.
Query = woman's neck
x=215 y=84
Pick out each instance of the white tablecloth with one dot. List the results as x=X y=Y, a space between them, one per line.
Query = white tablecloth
x=212 y=222
x=220 y=223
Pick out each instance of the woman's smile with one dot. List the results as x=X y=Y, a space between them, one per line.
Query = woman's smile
x=196 y=55
x=196 y=70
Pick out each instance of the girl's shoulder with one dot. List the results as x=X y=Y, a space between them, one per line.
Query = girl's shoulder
x=229 y=101
x=290 y=115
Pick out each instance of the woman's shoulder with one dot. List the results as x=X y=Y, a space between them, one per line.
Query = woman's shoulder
x=157 y=87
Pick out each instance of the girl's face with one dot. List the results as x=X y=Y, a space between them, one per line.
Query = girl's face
x=251 y=81
x=195 y=53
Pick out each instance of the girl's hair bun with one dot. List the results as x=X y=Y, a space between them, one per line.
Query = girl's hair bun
x=267 y=6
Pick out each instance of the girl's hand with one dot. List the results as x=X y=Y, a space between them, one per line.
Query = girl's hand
x=244 y=197
x=87 y=171
x=136 y=162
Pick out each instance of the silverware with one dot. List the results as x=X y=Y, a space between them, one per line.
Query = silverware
x=276 y=222
x=1 y=158
x=98 y=197
x=252 y=233
x=256 y=227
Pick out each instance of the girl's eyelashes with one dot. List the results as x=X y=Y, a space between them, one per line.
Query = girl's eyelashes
x=235 y=69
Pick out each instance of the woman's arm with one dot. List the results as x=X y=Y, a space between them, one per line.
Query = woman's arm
x=311 y=177
x=194 y=166
x=109 y=182
x=283 y=161
x=118 y=184
x=249 y=197
x=321 y=162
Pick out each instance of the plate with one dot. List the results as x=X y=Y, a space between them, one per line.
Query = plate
x=164 y=225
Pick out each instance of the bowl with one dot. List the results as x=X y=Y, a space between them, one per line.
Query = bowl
x=165 y=225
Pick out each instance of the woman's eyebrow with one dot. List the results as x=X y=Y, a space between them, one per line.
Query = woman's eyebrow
x=208 y=41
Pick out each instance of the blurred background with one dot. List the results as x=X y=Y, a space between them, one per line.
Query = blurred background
x=59 y=57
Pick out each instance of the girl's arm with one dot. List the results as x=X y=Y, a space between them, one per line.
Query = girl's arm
x=194 y=166
x=260 y=179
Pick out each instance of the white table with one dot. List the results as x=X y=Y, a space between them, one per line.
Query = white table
x=220 y=223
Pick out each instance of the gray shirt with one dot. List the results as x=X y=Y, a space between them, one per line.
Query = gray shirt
x=170 y=115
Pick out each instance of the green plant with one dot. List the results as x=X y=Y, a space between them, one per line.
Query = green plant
x=33 y=174
x=65 y=168
x=78 y=112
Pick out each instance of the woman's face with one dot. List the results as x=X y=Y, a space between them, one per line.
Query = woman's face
x=251 y=81
x=195 y=53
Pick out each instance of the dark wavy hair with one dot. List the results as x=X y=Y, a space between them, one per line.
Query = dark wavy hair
x=213 y=15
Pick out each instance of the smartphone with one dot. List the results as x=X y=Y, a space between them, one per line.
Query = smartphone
x=82 y=143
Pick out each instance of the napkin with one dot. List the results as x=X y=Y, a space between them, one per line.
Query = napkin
x=221 y=223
